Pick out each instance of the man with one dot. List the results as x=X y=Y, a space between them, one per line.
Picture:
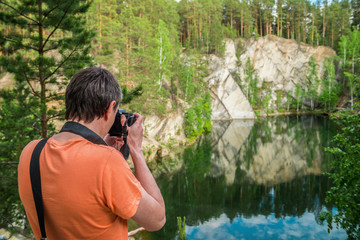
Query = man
x=88 y=189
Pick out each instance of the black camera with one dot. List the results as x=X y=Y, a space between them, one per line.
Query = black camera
x=117 y=129
x=121 y=131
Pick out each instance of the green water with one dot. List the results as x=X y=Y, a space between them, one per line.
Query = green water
x=250 y=180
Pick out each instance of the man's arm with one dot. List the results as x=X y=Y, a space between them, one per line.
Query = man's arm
x=151 y=210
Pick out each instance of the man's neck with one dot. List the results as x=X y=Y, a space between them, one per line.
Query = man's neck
x=97 y=126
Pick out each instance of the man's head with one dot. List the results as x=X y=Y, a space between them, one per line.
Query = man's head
x=89 y=94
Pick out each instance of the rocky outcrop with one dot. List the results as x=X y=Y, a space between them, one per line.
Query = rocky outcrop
x=162 y=133
x=279 y=64
x=228 y=100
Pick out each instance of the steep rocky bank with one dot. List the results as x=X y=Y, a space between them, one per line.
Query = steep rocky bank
x=279 y=65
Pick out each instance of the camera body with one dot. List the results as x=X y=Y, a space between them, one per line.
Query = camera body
x=117 y=129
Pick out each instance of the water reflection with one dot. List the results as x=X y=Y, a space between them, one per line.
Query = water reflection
x=274 y=151
x=248 y=171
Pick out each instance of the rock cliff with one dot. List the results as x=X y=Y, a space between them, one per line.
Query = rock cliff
x=279 y=64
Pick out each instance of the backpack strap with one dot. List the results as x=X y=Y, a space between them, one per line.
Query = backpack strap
x=36 y=184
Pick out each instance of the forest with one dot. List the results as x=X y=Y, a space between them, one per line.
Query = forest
x=156 y=49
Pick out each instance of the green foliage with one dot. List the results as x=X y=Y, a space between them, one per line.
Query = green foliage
x=198 y=117
x=345 y=169
x=349 y=53
x=239 y=49
x=279 y=96
x=43 y=45
x=330 y=89
x=313 y=82
x=289 y=100
x=249 y=85
x=128 y=96
x=18 y=127
x=266 y=100
x=140 y=40
x=298 y=97
x=181 y=226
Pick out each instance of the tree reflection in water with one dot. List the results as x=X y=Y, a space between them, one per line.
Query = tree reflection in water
x=246 y=169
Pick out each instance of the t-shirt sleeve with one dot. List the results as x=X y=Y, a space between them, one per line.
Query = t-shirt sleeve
x=121 y=189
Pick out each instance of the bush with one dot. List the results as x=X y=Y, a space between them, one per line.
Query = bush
x=198 y=117
x=345 y=169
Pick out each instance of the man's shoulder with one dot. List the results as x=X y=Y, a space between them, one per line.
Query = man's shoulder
x=30 y=147
x=25 y=155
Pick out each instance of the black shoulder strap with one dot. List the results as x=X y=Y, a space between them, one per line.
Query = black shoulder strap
x=83 y=131
x=36 y=184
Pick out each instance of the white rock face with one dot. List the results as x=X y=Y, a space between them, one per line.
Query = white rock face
x=162 y=130
x=282 y=62
x=228 y=100
x=278 y=62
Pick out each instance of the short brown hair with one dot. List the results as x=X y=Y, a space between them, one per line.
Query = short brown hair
x=90 y=93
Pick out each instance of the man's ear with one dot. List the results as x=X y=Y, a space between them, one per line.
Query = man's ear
x=110 y=110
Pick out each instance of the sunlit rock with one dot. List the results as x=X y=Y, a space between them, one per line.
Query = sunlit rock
x=280 y=64
x=228 y=101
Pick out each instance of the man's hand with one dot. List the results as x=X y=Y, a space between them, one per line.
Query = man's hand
x=135 y=136
x=115 y=142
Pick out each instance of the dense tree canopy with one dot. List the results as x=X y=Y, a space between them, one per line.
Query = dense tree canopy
x=143 y=40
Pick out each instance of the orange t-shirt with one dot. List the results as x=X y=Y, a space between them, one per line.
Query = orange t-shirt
x=88 y=190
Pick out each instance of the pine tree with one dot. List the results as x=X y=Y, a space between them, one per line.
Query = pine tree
x=44 y=44
x=47 y=43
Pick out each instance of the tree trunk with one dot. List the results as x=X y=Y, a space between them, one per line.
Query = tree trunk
x=127 y=59
x=200 y=28
x=242 y=22
x=261 y=33
x=324 y=25
x=281 y=22
x=100 y=23
x=313 y=28
x=43 y=110
x=278 y=26
x=193 y=75
x=299 y=24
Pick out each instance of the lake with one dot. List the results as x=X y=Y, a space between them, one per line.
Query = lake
x=250 y=180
